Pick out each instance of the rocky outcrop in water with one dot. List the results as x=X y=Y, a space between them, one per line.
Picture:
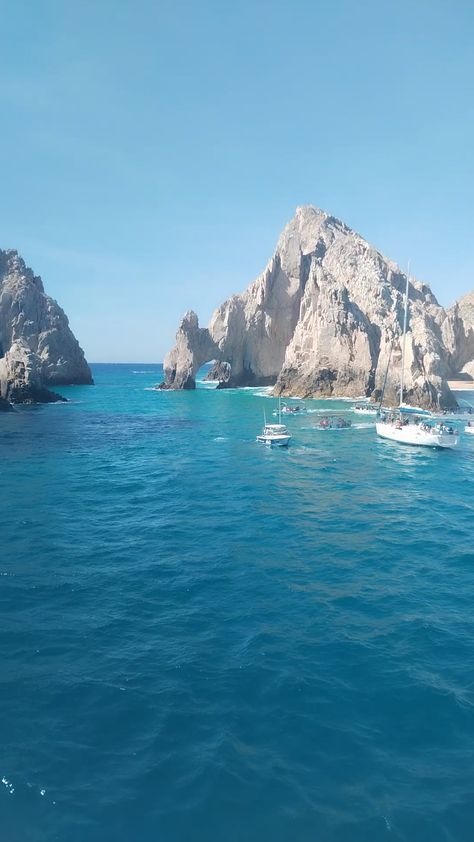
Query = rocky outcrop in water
x=220 y=371
x=324 y=319
x=37 y=346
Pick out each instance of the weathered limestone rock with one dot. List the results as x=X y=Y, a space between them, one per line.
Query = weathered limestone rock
x=193 y=348
x=458 y=335
x=323 y=319
x=37 y=346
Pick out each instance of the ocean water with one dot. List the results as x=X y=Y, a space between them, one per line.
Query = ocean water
x=203 y=639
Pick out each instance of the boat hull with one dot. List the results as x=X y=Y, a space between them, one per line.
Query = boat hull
x=414 y=435
x=469 y=430
x=274 y=441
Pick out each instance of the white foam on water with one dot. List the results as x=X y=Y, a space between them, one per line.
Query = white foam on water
x=327 y=411
x=329 y=429
x=221 y=438
x=9 y=786
x=261 y=392
x=207 y=384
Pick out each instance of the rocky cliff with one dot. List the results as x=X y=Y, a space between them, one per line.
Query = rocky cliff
x=323 y=319
x=458 y=334
x=37 y=346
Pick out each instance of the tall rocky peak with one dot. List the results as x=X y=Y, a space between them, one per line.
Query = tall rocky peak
x=37 y=346
x=323 y=319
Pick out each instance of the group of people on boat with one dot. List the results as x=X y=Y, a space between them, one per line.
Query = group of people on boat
x=332 y=422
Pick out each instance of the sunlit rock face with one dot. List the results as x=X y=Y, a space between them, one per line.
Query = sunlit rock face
x=37 y=346
x=325 y=318
x=458 y=334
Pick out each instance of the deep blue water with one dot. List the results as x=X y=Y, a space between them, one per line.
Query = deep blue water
x=203 y=639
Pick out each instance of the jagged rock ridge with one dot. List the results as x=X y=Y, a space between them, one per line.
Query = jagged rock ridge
x=323 y=319
x=37 y=346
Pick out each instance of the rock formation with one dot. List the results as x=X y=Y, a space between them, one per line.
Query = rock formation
x=220 y=371
x=323 y=319
x=37 y=347
x=458 y=334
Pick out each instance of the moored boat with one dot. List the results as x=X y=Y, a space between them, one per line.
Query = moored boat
x=396 y=427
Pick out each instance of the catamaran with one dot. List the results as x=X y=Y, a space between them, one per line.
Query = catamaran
x=276 y=435
x=410 y=425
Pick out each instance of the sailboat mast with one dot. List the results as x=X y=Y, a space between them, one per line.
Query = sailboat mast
x=405 y=316
x=279 y=409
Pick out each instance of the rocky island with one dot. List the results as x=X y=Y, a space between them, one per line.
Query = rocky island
x=323 y=319
x=37 y=346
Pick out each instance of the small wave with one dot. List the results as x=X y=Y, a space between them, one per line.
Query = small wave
x=207 y=384
x=330 y=429
x=221 y=438
x=347 y=400
x=325 y=411
x=265 y=392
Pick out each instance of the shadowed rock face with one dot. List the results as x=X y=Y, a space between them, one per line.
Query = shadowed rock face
x=37 y=346
x=323 y=319
x=220 y=371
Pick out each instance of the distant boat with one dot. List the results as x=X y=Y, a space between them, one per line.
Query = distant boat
x=276 y=435
x=469 y=428
x=462 y=413
x=290 y=410
x=333 y=422
x=409 y=424
x=365 y=409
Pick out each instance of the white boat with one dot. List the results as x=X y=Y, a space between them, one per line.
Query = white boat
x=274 y=435
x=409 y=425
x=419 y=432
x=469 y=428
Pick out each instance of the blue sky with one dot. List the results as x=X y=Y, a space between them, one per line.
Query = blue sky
x=152 y=151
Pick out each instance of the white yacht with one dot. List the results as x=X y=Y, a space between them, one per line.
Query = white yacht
x=274 y=435
x=398 y=427
x=409 y=425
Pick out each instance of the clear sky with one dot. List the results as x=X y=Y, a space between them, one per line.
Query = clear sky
x=152 y=151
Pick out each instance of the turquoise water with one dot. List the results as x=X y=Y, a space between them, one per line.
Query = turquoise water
x=204 y=639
